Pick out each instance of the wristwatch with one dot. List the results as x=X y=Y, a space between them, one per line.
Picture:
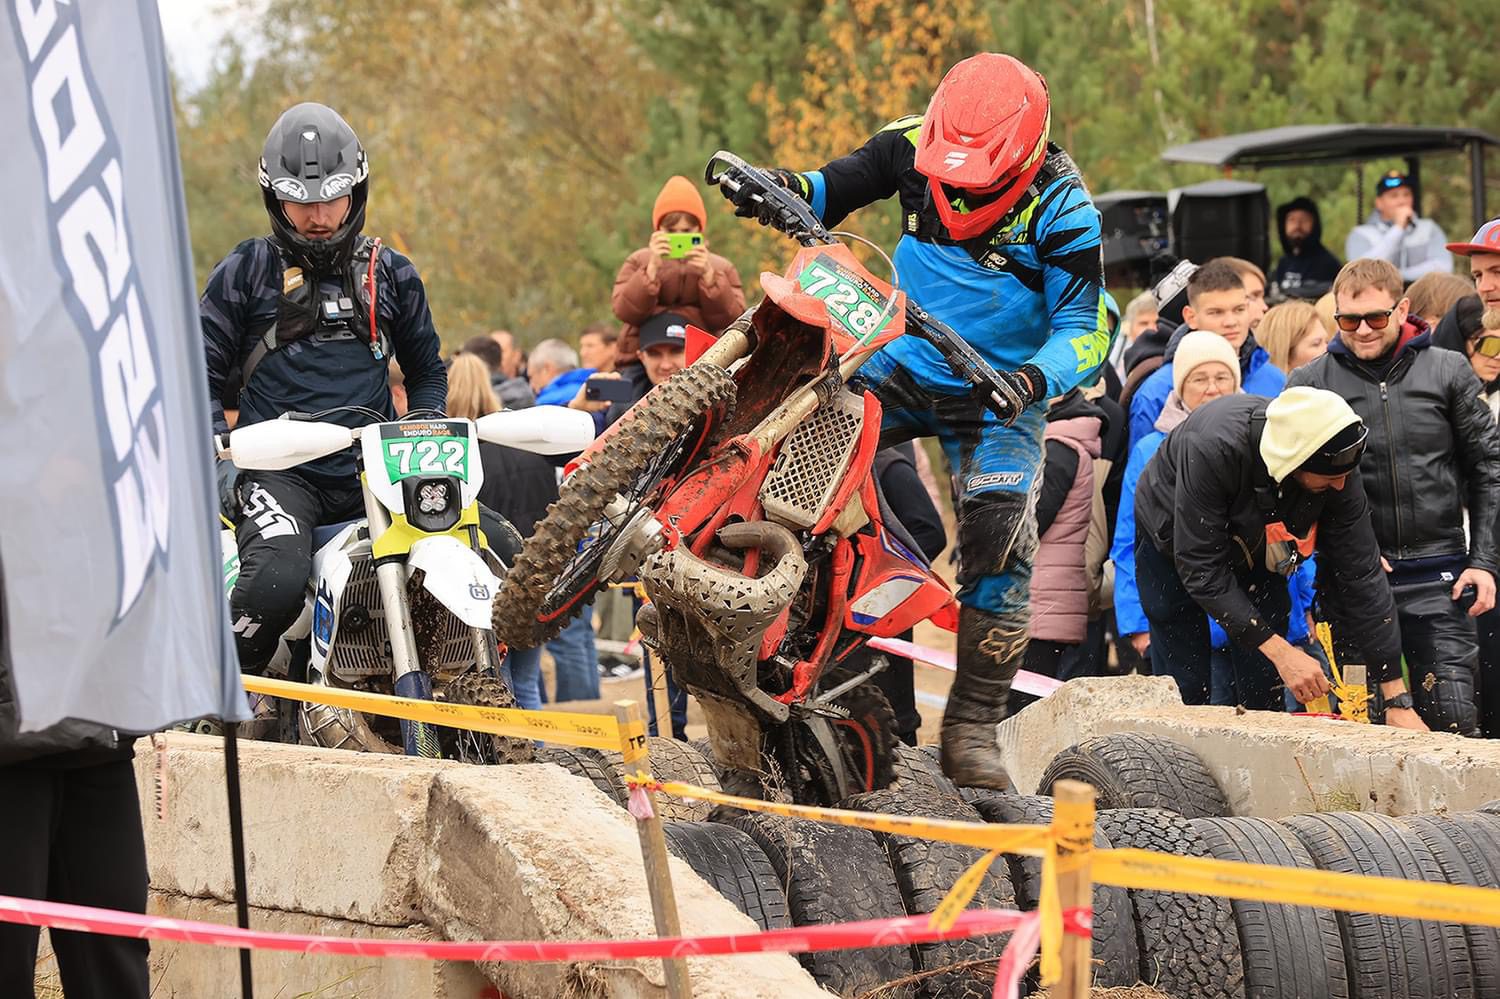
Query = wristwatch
x=1402 y=700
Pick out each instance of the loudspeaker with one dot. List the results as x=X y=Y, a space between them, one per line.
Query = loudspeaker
x=1135 y=228
x=1222 y=218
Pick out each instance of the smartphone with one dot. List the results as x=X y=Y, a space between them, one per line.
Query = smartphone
x=599 y=389
x=680 y=244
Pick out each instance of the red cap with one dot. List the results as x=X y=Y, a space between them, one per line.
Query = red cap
x=1486 y=240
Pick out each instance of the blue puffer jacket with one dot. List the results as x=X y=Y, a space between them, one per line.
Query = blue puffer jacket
x=1130 y=619
x=1257 y=377
x=561 y=390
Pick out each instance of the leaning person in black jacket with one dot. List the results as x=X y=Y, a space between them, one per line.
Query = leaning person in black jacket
x=290 y=317
x=1237 y=495
x=1433 y=452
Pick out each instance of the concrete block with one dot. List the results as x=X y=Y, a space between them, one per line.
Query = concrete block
x=327 y=832
x=194 y=971
x=1269 y=764
x=534 y=853
x=1030 y=739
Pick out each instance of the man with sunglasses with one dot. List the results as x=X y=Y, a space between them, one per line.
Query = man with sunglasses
x=1226 y=510
x=1433 y=454
x=1394 y=233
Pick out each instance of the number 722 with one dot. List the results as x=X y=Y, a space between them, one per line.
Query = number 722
x=431 y=457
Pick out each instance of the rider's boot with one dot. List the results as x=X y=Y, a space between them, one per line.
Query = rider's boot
x=990 y=649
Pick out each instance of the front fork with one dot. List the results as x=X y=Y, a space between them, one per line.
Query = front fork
x=420 y=738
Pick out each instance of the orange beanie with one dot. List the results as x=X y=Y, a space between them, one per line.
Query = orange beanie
x=679 y=195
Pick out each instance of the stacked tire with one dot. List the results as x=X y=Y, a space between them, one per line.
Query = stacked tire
x=1157 y=795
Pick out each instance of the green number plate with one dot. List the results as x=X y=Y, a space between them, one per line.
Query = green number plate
x=856 y=306
x=413 y=449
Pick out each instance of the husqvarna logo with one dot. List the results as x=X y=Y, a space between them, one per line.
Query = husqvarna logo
x=955 y=159
x=336 y=185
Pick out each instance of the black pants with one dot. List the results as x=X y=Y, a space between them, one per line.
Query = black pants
x=274 y=535
x=73 y=835
x=1489 y=674
x=1179 y=631
x=1441 y=646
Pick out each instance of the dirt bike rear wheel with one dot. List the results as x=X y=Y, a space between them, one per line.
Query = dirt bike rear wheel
x=554 y=575
x=481 y=690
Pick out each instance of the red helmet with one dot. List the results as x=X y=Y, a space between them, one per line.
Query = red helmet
x=984 y=138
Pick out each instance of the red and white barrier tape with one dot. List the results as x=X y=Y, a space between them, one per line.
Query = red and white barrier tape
x=869 y=933
x=1026 y=681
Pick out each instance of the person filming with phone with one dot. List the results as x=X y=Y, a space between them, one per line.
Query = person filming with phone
x=674 y=272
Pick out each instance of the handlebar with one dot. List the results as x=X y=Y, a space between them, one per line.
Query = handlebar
x=775 y=206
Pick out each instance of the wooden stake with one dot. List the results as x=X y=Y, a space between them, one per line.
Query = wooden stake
x=654 y=855
x=1073 y=809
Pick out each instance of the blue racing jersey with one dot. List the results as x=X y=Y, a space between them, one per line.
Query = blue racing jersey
x=1029 y=291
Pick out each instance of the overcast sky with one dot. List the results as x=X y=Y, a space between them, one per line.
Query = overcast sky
x=193 y=30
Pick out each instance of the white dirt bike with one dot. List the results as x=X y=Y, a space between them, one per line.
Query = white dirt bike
x=399 y=601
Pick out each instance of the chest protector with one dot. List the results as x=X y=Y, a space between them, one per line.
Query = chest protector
x=990 y=250
x=324 y=308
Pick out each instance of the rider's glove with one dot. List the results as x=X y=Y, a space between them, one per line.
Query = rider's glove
x=228 y=477
x=1015 y=390
x=794 y=182
x=746 y=200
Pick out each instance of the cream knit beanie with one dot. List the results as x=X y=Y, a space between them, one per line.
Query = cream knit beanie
x=1298 y=422
x=1200 y=347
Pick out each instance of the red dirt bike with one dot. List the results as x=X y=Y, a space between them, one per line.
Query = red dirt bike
x=740 y=492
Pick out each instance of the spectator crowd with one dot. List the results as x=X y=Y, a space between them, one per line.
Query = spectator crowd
x=1206 y=396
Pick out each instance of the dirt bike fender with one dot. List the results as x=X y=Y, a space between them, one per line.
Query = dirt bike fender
x=332 y=566
x=456 y=576
x=892 y=592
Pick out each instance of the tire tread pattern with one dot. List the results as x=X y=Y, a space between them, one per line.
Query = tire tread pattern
x=1388 y=957
x=1289 y=950
x=1129 y=770
x=1116 y=956
x=835 y=874
x=925 y=871
x=735 y=866
x=1188 y=944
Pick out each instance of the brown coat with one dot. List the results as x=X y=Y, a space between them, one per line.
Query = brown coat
x=676 y=289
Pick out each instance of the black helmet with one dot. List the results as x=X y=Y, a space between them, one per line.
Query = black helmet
x=312 y=156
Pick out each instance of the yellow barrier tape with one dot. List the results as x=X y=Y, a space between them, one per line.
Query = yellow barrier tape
x=1028 y=840
x=567 y=728
x=962 y=892
x=1131 y=868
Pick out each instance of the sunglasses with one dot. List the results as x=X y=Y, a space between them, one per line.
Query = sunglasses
x=1349 y=321
x=1348 y=457
x=1390 y=183
x=1487 y=346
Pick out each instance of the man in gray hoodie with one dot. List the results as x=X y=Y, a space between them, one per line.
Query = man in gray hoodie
x=1394 y=233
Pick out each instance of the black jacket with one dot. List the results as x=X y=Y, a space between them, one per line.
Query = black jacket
x=518 y=485
x=1205 y=499
x=241 y=302
x=1433 y=448
x=1306 y=271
